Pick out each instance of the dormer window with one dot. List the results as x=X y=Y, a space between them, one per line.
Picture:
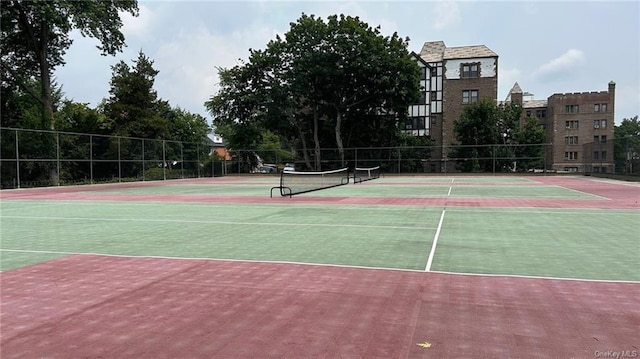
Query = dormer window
x=470 y=70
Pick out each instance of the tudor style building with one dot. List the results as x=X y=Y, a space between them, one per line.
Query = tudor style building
x=579 y=126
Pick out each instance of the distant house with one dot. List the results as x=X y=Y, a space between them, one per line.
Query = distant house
x=218 y=146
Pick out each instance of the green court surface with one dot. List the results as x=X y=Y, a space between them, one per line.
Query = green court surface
x=597 y=244
x=587 y=244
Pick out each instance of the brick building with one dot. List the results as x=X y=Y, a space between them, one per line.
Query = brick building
x=579 y=126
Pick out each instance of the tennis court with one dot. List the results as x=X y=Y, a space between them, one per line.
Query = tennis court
x=396 y=267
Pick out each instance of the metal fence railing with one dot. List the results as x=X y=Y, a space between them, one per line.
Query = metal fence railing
x=30 y=158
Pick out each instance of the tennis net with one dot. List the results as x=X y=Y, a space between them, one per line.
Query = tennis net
x=295 y=182
x=365 y=174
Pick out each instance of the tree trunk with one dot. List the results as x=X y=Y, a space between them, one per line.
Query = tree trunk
x=339 y=137
x=305 y=152
x=45 y=92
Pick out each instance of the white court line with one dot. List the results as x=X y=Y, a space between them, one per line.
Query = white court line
x=217 y=222
x=326 y=265
x=435 y=242
x=581 y=192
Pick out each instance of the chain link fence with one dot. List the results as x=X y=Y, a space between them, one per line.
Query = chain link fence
x=30 y=158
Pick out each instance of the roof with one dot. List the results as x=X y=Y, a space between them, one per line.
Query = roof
x=516 y=88
x=534 y=104
x=437 y=51
x=466 y=52
x=433 y=51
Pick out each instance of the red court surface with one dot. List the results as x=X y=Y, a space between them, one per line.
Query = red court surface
x=117 y=307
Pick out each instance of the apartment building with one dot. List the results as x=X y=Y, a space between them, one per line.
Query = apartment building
x=579 y=126
x=452 y=77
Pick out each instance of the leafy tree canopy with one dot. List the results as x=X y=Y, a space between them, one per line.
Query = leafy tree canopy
x=35 y=36
x=493 y=140
x=323 y=84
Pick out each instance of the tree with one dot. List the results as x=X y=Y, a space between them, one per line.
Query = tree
x=133 y=107
x=321 y=83
x=627 y=145
x=531 y=139
x=476 y=129
x=491 y=139
x=35 y=37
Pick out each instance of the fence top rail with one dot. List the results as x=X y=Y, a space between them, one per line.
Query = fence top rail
x=2 y=128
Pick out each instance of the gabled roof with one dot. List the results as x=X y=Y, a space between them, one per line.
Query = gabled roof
x=437 y=51
x=516 y=88
x=433 y=51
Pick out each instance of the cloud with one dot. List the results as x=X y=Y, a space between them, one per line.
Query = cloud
x=562 y=65
x=447 y=14
x=137 y=26
x=188 y=64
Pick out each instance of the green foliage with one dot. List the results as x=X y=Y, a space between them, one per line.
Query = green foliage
x=35 y=37
x=322 y=84
x=132 y=106
x=79 y=117
x=627 y=146
x=270 y=149
x=529 y=137
x=492 y=140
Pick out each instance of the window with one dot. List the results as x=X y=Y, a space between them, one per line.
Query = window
x=600 y=107
x=421 y=100
x=415 y=123
x=572 y=155
x=595 y=155
x=571 y=124
x=570 y=140
x=541 y=113
x=434 y=95
x=423 y=76
x=599 y=123
x=603 y=138
x=596 y=138
x=528 y=113
x=603 y=155
x=470 y=70
x=571 y=109
x=434 y=72
x=469 y=96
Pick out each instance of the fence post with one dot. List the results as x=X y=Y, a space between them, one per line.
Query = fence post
x=143 y=159
x=91 y=157
x=181 y=160
x=17 y=159
x=119 y=163
x=58 y=155
x=164 y=162
x=493 y=155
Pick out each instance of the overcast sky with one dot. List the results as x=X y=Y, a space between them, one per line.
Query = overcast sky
x=547 y=47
